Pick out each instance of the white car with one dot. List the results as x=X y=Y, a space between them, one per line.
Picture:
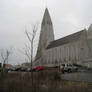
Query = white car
x=68 y=68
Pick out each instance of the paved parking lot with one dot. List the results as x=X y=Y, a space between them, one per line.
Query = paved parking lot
x=78 y=76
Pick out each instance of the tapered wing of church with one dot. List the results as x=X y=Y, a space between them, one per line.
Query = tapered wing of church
x=75 y=48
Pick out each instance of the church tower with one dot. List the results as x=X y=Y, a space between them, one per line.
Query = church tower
x=46 y=34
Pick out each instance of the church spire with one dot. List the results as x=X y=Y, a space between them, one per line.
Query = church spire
x=46 y=18
x=46 y=34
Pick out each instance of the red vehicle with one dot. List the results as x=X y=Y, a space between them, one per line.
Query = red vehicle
x=38 y=68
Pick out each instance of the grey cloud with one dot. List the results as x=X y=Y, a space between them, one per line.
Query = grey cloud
x=68 y=16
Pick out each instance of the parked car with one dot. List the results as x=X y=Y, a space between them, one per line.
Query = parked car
x=29 y=70
x=18 y=69
x=23 y=69
x=38 y=68
x=68 y=68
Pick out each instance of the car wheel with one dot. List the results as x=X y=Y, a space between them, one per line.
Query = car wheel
x=69 y=70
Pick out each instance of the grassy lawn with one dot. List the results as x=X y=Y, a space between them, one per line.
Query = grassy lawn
x=43 y=81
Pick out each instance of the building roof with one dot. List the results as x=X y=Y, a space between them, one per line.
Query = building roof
x=68 y=39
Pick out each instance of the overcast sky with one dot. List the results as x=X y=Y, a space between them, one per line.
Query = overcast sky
x=68 y=16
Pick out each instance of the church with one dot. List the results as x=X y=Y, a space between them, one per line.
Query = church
x=75 y=48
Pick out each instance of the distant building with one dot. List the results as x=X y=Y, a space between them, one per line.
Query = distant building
x=74 y=48
x=7 y=66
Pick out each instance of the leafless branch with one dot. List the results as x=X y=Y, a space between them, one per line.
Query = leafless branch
x=4 y=55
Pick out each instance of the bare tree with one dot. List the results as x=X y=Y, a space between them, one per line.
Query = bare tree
x=4 y=55
x=29 y=48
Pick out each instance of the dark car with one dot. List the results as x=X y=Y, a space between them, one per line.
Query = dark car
x=18 y=69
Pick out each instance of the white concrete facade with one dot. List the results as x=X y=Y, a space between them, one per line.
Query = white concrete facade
x=75 y=50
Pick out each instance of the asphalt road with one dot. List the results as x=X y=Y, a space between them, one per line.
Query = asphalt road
x=78 y=76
